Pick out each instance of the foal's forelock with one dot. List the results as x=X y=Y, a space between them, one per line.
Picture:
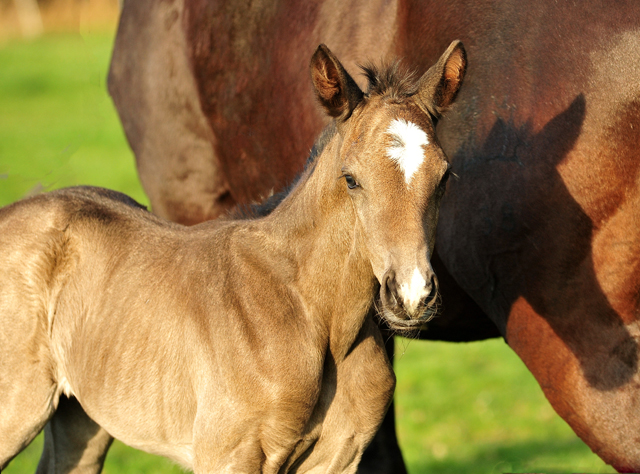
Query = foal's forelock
x=391 y=81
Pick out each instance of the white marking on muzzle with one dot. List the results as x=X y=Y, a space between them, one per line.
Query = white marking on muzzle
x=406 y=150
x=413 y=292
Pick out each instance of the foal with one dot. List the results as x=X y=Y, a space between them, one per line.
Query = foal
x=235 y=345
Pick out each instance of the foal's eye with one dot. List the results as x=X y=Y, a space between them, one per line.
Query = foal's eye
x=445 y=178
x=434 y=119
x=351 y=183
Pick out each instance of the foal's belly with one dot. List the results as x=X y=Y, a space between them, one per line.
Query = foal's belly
x=134 y=378
x=155 y=415
x=190 y=404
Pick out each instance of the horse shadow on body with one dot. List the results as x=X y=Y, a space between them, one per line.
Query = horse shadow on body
x=530 y=240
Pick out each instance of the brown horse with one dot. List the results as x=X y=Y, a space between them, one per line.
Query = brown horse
x=238 y=345
x=538 y=239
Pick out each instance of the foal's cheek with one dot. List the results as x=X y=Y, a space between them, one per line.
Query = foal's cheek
x=378 y=263
x=378 y=255
x=430 y=224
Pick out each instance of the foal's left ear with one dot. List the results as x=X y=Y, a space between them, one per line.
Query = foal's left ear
x=439 y=86
x=337 y=91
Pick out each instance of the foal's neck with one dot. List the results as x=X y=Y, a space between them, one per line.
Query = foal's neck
x=318 y=225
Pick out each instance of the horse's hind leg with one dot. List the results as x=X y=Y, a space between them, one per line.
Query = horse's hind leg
x=27 y=388
x=73 y=442
x=26 y=402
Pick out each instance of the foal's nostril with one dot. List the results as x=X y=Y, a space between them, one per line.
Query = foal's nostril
x=388 y=290
x=433 y=287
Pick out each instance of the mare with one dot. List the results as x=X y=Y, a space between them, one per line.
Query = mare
x=538 y=239
x=237 y=345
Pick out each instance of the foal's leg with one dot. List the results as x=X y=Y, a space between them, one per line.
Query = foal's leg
x=383 y=454
x=26 y=394
x=24 y=409
x=73 y=442
x=356 y=391
x=27 y=388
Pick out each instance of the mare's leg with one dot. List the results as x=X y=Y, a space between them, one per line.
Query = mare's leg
x=73 y=442
x=162 y=116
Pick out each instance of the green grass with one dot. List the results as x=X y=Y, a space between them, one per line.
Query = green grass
x=58 y=126
x=474 y=408
x=462 y=408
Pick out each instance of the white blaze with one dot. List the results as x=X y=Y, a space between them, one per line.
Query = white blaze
x=406 y=150
x=414 y=291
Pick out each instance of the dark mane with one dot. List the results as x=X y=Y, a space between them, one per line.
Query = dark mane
x=265 y=207
x=391 y=81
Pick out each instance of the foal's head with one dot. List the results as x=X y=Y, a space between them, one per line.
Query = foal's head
x=393 y=170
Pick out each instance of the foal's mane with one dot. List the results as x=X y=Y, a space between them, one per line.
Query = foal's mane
x=390 y=81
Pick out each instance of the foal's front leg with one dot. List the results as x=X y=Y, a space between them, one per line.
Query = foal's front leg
x=245 y=457
x=254 y=433
x=73 y=442
x=360 y=389
x=383 y=455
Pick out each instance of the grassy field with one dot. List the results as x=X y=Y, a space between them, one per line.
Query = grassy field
x=462 y=408
x=58 y=126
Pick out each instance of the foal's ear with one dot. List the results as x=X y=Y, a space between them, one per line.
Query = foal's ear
x=439 y=86
x=337 y=91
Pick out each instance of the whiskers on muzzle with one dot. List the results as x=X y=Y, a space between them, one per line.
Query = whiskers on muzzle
x=395 y=316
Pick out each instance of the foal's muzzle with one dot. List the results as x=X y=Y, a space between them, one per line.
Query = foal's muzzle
x=402 y=316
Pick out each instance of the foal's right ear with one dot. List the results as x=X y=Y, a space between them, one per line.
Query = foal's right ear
x=337 y=91
x=438 y=87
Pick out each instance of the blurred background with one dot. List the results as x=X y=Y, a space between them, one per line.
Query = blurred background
x=461 y=408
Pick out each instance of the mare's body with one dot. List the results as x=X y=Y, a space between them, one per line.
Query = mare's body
x=538 y=238
x=243 y=345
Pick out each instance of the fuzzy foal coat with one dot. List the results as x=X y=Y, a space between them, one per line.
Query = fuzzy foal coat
x=112 y=291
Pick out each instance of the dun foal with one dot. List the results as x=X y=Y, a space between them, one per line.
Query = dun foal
x=235 y=345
